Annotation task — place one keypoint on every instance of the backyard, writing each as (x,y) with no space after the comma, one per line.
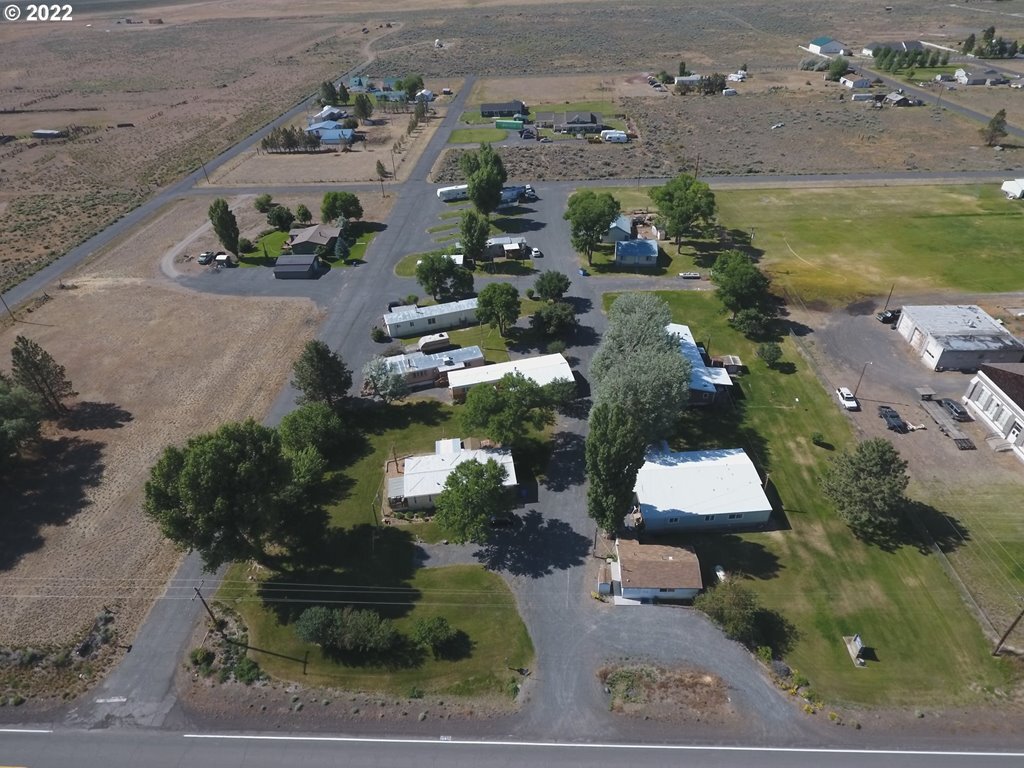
(810,568)
(371,565)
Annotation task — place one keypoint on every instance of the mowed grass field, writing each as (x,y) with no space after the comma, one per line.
(840,245)
(375,568)
(816,574)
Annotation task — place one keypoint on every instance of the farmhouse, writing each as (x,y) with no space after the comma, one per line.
(421,369)
(422,478)
(310,239)
(323,125)
(897,99)
(855,81)
(995,397)
(1013,189)
(541,370)
(654,572)
(964,77)
(636,253)
(413,321)
(698,490)
(504,109)
(621,229)
(691,81)
(297,267)
(705,381)
(900,46)
(571,122)
(957,337)
(337,136)
(825,46)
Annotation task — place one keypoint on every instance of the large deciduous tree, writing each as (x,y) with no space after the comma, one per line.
(382,382)
(302,214)
(474,229)
(21,412)
(313,425)
(683,204)
(741,285)
(340,205)
(320,375)
(734,608)
(33,368)
(505,411)
(471,162)
(589,215)
(280,217)
(224,224)
(554,318)
(473,493)
(484,189)
(233,495)
(614,453)
(551,285)
(867,487)
(995,130)
(442,278)
(499,306)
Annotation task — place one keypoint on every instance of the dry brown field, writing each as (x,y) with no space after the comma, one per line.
(153,365)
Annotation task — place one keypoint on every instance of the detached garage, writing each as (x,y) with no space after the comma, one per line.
(303,266)
(961,338)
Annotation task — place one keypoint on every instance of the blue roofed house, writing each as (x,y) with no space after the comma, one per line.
(322,125)
(636,253)
(337,136)
(621,229)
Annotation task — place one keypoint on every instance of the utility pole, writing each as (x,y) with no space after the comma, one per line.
(1006,634)
(861,377)
(203,166)
(4,302)
(889,297)
(206,606)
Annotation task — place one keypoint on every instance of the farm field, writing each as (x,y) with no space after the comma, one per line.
(60,76)
(835,246)
(133,343)
(813,571)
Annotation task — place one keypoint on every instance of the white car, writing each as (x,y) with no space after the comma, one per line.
(847,400)
(535,253)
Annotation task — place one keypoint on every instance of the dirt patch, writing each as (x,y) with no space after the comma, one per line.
(154,364)
(674,695)
(565,88)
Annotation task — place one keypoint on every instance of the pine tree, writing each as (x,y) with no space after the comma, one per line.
(224,224)
(33,368)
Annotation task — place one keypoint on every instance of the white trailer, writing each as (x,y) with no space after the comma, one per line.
(458,192)
(616,137)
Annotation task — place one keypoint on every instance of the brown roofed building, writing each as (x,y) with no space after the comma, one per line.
(309,239)
(649,572)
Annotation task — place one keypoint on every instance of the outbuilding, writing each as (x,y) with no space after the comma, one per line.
(304,266)
(541,370)
(1013,189)
(47,133)
(422,478)
(415,321)
(855,81)
(698,490)
(637,253)
(957,337)
(655,572)
(621,229)
(503,109)
(825,46)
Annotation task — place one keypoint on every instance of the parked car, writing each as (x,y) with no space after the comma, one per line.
(205,257)
(954,409)
(846,399)
(889,316)
(503,520)
(690,275)
(583,272)
(535,253)
(544,139)
(892,419)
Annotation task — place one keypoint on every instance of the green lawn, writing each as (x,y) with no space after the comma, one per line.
(266,251)
(840,245)
(816,574)
(630,198)
(368,565)
(477,135)
(358,249)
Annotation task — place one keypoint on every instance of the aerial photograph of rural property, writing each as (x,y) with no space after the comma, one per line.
(513,383)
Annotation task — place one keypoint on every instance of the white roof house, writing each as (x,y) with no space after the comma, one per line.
(1013,189)
(542,370)
(696,490)
(705,380)
(412,321)
(423,368)
(423,477)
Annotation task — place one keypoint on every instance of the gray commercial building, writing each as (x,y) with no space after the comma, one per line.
(958,337)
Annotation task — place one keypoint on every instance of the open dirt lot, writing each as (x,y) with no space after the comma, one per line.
(679,695)
(549,90)
(819,134)
(153,364)
(58,76)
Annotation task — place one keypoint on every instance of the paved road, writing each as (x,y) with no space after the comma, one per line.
(132,749)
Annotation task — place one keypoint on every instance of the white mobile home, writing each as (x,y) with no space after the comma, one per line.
(699,490)
(424,369)
(542,370)
(457,192)
(705,381)
(414,321)
(422,478)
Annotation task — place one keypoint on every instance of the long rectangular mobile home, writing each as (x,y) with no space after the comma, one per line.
(457,192)
(414,321)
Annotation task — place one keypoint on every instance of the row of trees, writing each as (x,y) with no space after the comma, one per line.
(36,389)
(290,138)
(892,60)
(250,492)
(640,386)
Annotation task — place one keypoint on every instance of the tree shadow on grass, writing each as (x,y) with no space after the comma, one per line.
(459,647)
(776,631)
(722,425)
(377,418)
(88,415)
(47,490)
(737,555)
(537,547)
(921,527)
